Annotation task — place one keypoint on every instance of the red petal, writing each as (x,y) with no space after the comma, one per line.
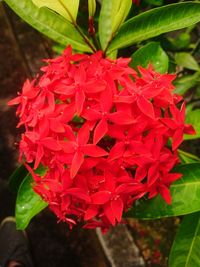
(95,86)
(100,131)
(83,134)
(68,147)
(117,207)
(91,212)
(91,115)
(121,118)
(38,157)
(117,151)
(177,138)
(94,151)
(165,193)
(153,174)
(79,193)
(76,163)
(56,126)
(109,213)
(14,101)
(51,144)
(80,99)
(101,197)
(146,107)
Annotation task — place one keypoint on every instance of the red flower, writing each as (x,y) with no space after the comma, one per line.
(101,132)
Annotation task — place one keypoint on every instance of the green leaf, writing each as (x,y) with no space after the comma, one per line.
(155,22)
(155,2)
(186,82)
(66,8)
(91,8)
(17,177)
(49,23)
(186,157)
(120,10)
(112,15)
(185,197)
(28,203)
(151,53)
(186,60)
(193,117)
(185,249)
(105,23)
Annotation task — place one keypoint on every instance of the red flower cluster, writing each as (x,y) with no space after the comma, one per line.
(102,132)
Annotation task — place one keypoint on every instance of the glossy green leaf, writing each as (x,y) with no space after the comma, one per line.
(193,117)
(186,60)
(155,22)
(184,83)
(185,197)
(17,177)
(112,15)
(49,23)
(151,53)
(185,249)
(66,8)
(28,204)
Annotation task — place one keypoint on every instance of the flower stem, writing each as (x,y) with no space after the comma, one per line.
(85,38)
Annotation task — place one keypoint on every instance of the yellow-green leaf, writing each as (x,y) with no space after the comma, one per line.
(66,8)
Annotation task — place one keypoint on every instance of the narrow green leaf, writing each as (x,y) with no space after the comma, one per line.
(186,60)
(28,204)
(66,8)
(17,177)
(91,8)
(49,23)
(112,15)
(120,11)
(185,197)
(105,23)
(151,53)
(186,157)
(193,117)
(155,22)
(184,83)
(185,249)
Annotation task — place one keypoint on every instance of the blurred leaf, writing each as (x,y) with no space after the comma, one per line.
(112,15)
(151,53)
(186,157)
(193,117)
(66,8)
(185,249)
(17,177)
(91,7)
(28,203)
(186,60)
(155,2)
(180,42)
(186,82)
(155,22)
(49,23)
(185,197)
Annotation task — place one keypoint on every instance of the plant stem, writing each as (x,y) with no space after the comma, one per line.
(85,38)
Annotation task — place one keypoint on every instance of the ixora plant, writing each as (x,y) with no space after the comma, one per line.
(102,133)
